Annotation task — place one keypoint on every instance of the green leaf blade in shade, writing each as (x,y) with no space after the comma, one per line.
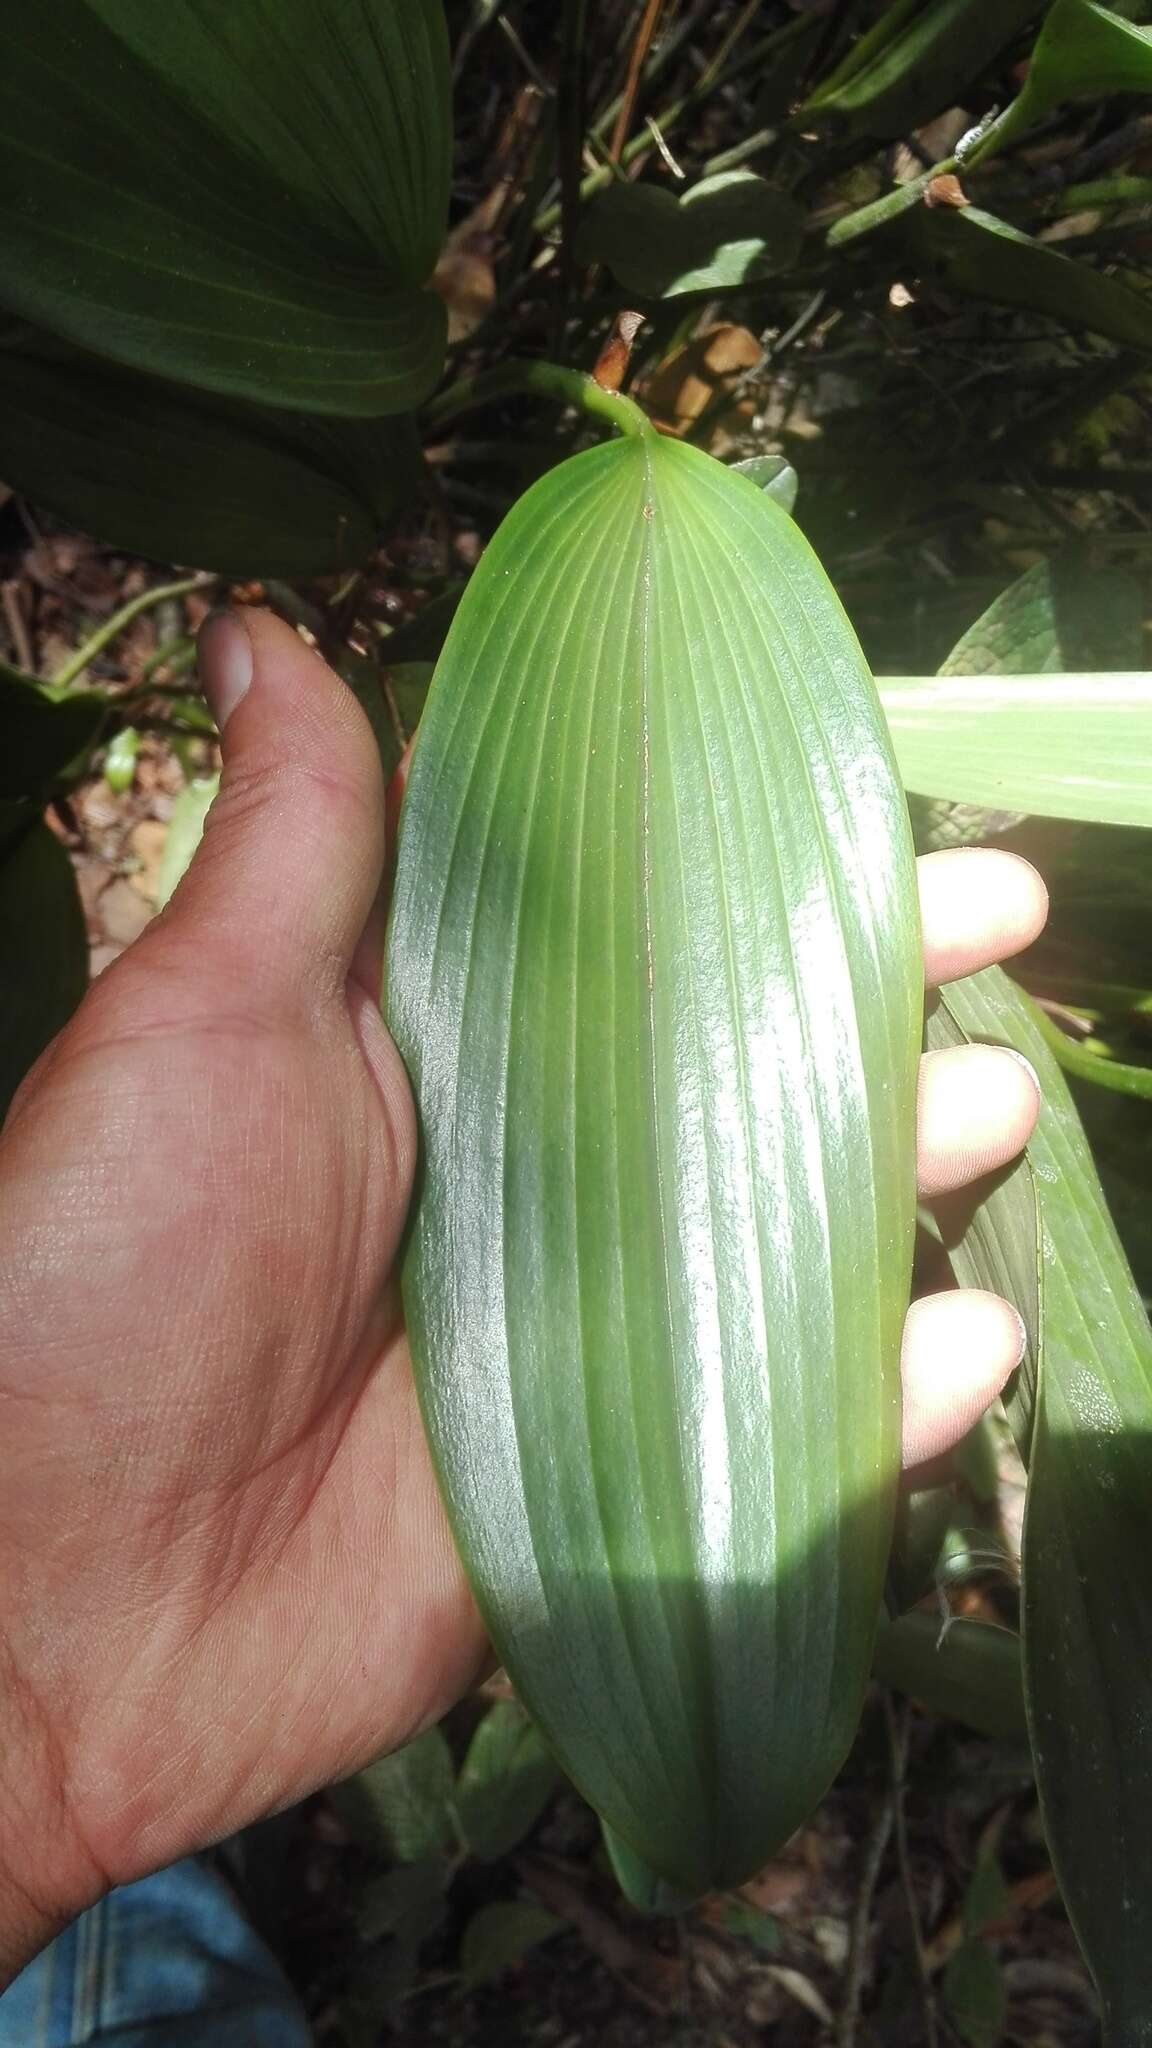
(1063,746)
(653,967)
(39,735)
(131,227)
(43,950)
(911,64)
(402,1805)
(725,233)
(187,476)
(347,105)
(505,1782)
(969,1670)
(1083,52)
(973,252)
(1088,1525)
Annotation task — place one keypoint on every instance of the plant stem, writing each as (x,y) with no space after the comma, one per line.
(98,641)
(547,380)
(1091,1066)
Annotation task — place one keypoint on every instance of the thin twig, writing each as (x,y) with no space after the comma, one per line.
(849,2015)
(636,62)
(898,1726)
(99,640)
(17,625)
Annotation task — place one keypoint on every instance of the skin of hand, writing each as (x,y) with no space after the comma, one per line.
(228,1578)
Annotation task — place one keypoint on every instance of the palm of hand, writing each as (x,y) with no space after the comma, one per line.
(232,1579)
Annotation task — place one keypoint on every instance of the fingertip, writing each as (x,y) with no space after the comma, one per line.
(977,1107)
(959,1351)
(978,905)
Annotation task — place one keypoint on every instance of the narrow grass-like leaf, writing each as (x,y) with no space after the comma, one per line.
(974,252)
(653,967)
(911,63)
(1067,746)
(1087,1530)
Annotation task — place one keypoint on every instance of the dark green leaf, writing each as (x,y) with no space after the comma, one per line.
(1083,52)
(973,252)
(505,1782)
(402,1805)
(1087,1611)
(987,1894)
(912,63)
(1069,612)
(259,228)
(922,1522)
(188,477)
(966,1669)
(40,736)
(185,830)
(501,1935)
(347,105)
(727,231)
(406,1903)
(640,1884)
(43,950)
(974,1995)
(653,969)
(750,1924)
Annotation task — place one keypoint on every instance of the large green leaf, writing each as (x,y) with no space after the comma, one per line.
(43,950)
(1068,746)
(40,735)
(966,1669)
(975,252)
(913,62)
(259,227)
(505,1782)
(1087,1531)
(187,476)
(724,233)
(1083,52)
(653,967)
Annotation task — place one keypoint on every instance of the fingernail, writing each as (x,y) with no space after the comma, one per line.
(224,659)
(1023,1328)
(1026,1064)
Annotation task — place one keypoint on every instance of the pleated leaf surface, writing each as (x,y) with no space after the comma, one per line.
(653,966)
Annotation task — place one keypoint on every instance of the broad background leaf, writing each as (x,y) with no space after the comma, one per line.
(403,1805)
(505,1781)
(661,1401)
(727,231)
(968,1670)
(135,223)
(43,949)
(188,476)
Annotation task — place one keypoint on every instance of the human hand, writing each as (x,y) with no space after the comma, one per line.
(229,1578)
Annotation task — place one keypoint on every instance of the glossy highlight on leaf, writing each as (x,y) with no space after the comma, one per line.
(654,968)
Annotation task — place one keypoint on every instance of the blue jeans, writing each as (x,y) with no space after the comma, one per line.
(170,1962)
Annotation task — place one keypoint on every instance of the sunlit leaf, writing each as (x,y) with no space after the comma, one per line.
(1067,746)
(185,830)
(187,476)
(244,199)
(729,230)
(653,967)
(974,252)
(1087,1608)
(43,950)
(1083,52)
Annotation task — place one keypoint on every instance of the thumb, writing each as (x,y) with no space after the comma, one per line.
(287,871)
